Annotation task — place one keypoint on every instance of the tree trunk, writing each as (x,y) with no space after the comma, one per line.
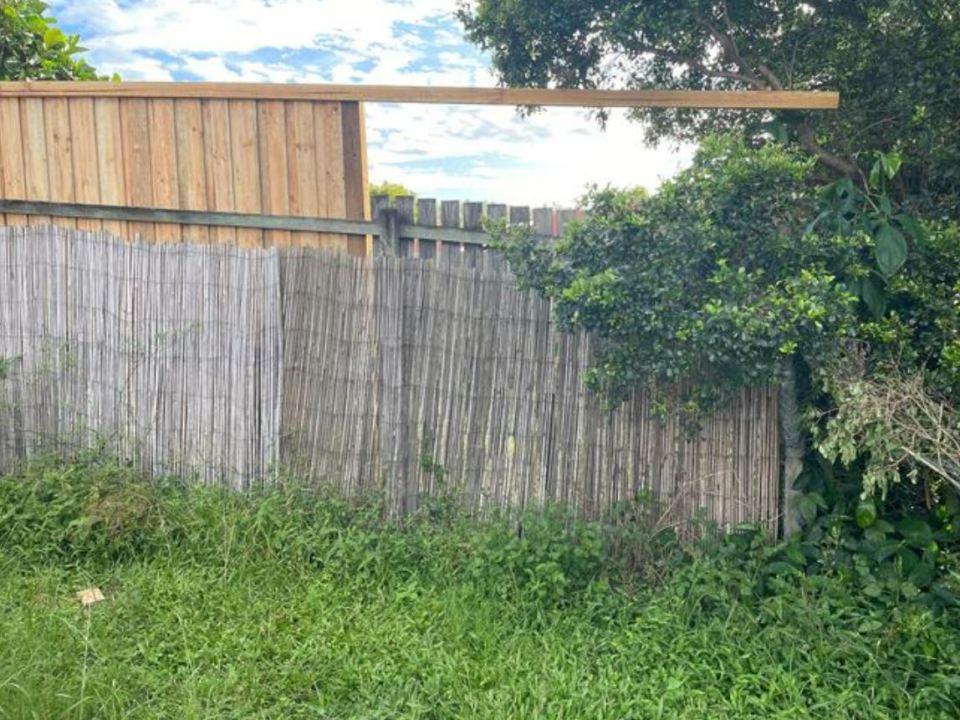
(794,447)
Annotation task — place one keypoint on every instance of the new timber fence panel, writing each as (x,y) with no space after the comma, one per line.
(374,374)
(213,152)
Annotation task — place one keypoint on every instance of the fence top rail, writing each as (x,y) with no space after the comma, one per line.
(733,99)
(295,223)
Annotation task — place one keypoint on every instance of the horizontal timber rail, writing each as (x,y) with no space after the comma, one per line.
(731,99)
(388,226)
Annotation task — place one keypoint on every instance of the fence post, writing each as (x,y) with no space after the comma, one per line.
(388,244)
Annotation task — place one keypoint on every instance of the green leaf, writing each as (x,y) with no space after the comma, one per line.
(923,574)
(891,163)
(884,526)
(808,509)
(795,555)
(886,550)
(908,559)
(873,296)
(779,567)
(53,37)
(890,250)
(866,513)
(910,226)
(916,531)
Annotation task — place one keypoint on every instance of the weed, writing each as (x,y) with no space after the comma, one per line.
(295,603)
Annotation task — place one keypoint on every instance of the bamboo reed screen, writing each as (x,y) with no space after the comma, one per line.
(193,152)
(231,363)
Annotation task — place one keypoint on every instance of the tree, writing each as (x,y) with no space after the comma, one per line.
(894,62)
(33,48)
(708,286)
(391,190)
(886,158)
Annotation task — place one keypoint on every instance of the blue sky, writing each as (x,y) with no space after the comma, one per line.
(452,152)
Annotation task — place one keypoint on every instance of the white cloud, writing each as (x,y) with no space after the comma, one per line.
(481,153)
(242,26)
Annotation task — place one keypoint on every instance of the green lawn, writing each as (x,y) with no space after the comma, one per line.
(290,606)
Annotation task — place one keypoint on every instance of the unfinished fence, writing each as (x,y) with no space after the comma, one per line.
(380,373)
(170,146)
(454,216)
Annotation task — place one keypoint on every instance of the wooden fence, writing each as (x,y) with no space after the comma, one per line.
(169,148)
(363,373)
(454,215)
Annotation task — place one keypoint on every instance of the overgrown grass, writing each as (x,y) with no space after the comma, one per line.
(290,604)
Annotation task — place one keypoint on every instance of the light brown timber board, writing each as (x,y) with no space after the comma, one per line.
(732,99)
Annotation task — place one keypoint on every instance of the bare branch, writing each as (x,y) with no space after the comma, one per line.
(809,142)
(697,65)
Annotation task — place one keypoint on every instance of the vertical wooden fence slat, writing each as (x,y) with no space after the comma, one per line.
(520,215)
(59,154)
(11,155)
(473,221)
(136,161)
(163,163)
(472,216)
(405,214)
(427,215)
(564,218)
(191,165)
(543,221)
(218,165)
(497,211)
(303,166)
(379,203)
(449,218)
(273,166)
(110,159)
(245,161)
(36,171)
(355,173)
(86,175)
(330,155)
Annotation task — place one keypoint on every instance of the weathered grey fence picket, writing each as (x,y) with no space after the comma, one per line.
(238,364)
(469,216)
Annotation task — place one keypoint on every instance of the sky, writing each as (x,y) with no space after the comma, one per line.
(489,154)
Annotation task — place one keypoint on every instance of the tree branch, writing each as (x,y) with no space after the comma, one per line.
(809,143)
(772,79)
(697,65)
(730,51)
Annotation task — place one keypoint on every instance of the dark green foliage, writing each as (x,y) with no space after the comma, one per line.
(709,284)
(32,47)
(290,603)
(896,551)
(894,62)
